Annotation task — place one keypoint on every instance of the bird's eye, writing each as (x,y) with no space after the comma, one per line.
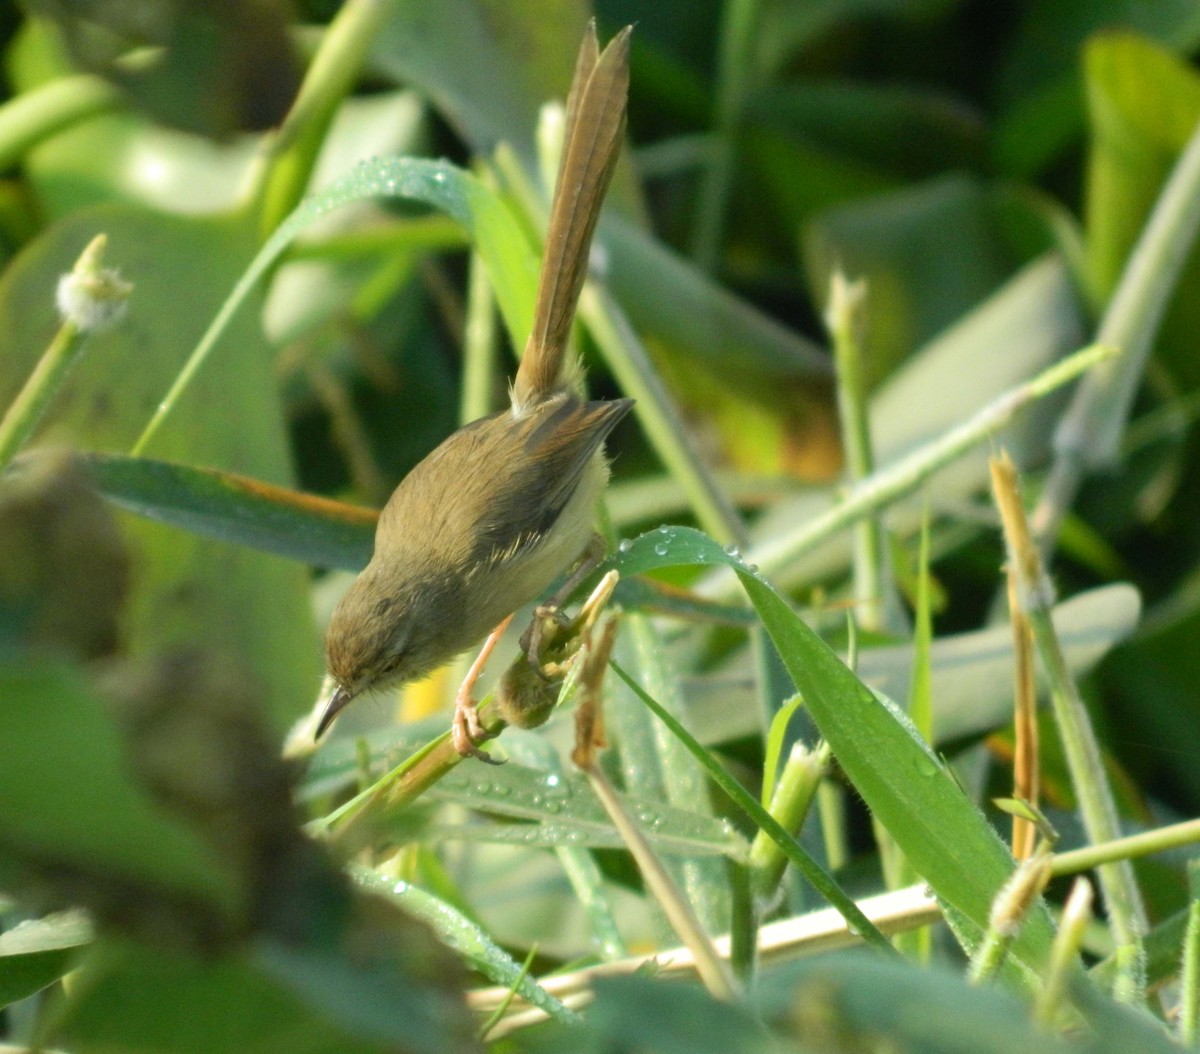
(393,661)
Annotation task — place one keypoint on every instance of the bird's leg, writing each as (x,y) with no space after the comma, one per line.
(466,730)
(531,639)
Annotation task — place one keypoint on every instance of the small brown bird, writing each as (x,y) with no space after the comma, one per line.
(489,519)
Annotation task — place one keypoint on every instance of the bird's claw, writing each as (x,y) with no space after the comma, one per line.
(467,732)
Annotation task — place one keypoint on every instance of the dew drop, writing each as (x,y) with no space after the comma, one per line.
(625,546)
(734,551)
(552,780)
(661,549)
(664,530)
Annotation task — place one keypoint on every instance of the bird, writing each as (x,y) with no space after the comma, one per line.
(498,511)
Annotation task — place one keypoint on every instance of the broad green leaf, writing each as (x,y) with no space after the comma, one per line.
(37,953)
(972,671)
(250,45)
(1037,81)
(187,591)
(237,509)
(929,253)
(1023,327)
(929,132)
(495,233)
(763,385)
(918,1010)
(118,155)
(643,1013)
(269,997)
(554,809)
(907,787)
(521,56)
(68,799)
(1143,105)
(1161,664)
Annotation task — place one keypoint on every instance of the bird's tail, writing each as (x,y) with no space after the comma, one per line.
(595,124)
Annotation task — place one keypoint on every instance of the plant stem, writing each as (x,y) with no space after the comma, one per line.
(1026,752)
(35,115)
(709,965)
(1084,760)
(1064,954)
(595,655)
(1009,911)
(479,352)
(814,933)
(658,416)
(734,63)
(1189,975)
(98,294)
(894,482)
(790,805)
(793,850)
(1128,848)
(1089,433)
(26,410)
(284,170)
(844,317)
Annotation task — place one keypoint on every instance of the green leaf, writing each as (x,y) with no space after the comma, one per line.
(929,254)
(972,672)
(187,591)
(942,834)
(642,1013)
(1143,105)
(1038,78)
(775,740)
(468,938)
(250,43)
(237,509)
(497,238)
(67,798)
(930,133)
(918,1010)
(554,809)
(1035,319)
(37,953)
(269,998)
(521,56)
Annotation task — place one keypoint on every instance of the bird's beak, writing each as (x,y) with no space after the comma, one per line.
(337,703)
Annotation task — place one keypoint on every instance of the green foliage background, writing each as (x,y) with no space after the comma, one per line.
(329,216)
